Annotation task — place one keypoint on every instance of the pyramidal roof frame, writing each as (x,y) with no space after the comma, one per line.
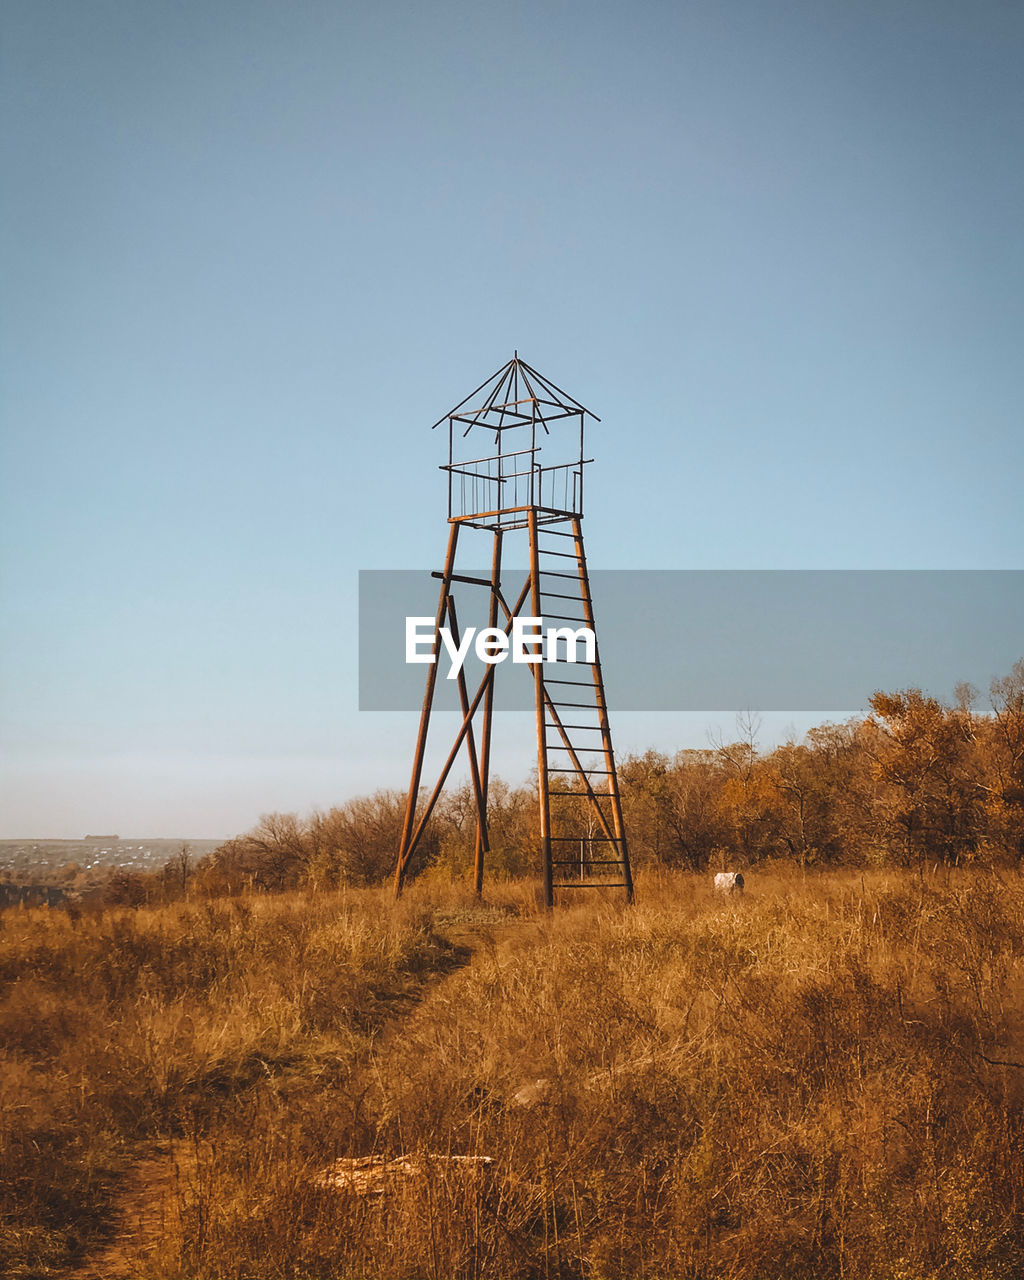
(516,396)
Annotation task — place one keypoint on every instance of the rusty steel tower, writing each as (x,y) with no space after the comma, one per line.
(530,478)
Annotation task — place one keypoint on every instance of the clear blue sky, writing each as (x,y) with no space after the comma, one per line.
(250,251)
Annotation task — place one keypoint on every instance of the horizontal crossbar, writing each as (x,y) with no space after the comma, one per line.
(592,884)
(590,862)
(476,582)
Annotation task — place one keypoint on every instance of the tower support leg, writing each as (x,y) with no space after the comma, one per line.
(485,728)
(479,793)
(404,849)
(543,798)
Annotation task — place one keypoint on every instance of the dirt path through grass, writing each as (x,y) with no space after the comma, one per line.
(146,1210)
(147,1201)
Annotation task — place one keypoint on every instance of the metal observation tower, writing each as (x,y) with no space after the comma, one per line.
(530,478)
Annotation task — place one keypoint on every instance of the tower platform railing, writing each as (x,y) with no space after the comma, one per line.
(498,491)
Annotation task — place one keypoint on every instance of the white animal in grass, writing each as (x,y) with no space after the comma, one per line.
(728,882)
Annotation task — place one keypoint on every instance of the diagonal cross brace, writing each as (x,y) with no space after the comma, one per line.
(409,848)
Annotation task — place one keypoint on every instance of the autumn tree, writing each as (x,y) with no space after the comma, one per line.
(920,757)
(356,843)
(648,808)
(512,828)
(1005,740)
(177,871)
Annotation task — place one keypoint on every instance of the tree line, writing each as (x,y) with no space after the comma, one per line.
(917,781)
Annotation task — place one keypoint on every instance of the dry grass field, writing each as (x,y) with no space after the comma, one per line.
(822,1079)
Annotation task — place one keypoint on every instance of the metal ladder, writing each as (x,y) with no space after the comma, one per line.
(582,832)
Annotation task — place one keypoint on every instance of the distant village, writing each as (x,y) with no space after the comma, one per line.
(61,873)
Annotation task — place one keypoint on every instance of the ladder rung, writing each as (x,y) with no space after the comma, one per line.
(582,753)
(575,684)
(592,839)
(553,573)
(563,725)
(591,862)
(560,595)
(594,706)
(558,768)
(591,884)
(564,617)
(565,555)
(556,533)
(598,795)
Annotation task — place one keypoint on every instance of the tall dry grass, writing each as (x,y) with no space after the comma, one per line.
(123,1029)
(824,1079)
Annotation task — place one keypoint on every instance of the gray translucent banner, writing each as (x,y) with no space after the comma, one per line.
(720,640)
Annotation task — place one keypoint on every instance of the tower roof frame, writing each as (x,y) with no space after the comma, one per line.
(502,401)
